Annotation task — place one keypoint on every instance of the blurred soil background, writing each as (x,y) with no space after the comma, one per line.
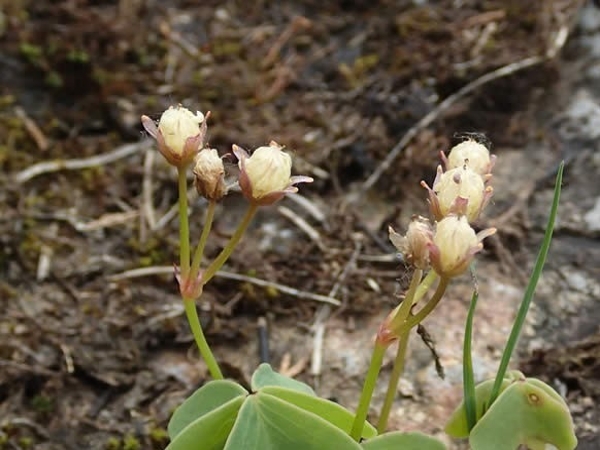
(93,355)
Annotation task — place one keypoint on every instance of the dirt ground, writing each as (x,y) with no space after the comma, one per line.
(95,353)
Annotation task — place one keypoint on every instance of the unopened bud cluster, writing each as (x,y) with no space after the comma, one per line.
(457,198)
(265,177)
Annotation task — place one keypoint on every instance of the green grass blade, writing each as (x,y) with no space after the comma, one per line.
(468,377)
(524,308)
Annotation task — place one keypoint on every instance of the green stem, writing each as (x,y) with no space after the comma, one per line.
(210,214)
(408,302)
(233,241)
(399,323)
(184,265)
(184,229)
(430,306)
(429,279)
(367,392)
(390,395)
(205,351)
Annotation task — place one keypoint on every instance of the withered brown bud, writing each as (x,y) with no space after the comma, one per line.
(415,245)
(209,175)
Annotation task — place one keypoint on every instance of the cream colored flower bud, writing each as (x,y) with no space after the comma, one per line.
(460,191)
(178,124)
(209,174)
(180,134)
(454,245)
(415,245)
(269,169)
(265,176)
(473,154)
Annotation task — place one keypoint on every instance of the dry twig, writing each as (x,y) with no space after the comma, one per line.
(82,163)
(428,119)
(24,421)
(298,24)
(288,369)
(34,131)
(302,224)
(325,311)
(27,368)
(66,351)
(106,221)
(310,207)
(148,214)
(167,270)
(174,209)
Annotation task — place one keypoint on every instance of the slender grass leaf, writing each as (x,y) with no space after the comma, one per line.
(529,292)
(468,376)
